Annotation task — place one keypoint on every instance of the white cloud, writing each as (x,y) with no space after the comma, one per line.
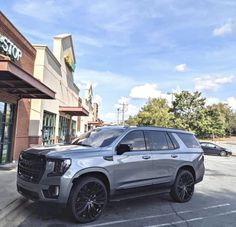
(132,110)
(146,91)
(212,100)
(122,100)
(232,102)
(181,68)
(48,10)
(211,83)
(228,28)
(98,99)
(113,80)
(129,109)
(88,41)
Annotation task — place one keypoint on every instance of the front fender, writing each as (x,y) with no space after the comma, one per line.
(95,170)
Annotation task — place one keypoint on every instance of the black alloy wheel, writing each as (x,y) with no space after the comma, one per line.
(183,188)
(88,199)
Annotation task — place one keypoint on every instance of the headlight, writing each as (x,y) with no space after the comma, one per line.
(60,166)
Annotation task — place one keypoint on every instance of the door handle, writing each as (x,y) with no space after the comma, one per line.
(146,157)
(174,156)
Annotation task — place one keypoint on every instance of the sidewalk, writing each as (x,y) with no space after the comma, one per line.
(10,199)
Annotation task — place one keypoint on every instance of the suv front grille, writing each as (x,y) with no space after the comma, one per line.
(31,167)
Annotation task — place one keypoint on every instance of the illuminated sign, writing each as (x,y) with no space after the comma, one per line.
(9,48)
(70,62)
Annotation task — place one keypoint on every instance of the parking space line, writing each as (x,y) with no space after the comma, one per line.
(206,208)
(193,219)
(159,215)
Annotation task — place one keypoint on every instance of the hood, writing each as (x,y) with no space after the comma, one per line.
(61,151)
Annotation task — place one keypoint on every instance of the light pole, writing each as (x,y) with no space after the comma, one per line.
(123,109)
(118,116)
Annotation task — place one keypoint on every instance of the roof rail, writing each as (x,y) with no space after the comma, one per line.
(150,126)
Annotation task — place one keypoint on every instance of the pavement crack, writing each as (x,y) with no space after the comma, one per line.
(178,215)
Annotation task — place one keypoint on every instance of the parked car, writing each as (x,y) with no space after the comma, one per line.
(109,161)
(214,149)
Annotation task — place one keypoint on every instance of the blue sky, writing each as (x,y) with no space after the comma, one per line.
(131,50)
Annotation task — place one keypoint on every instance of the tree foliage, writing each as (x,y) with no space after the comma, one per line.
(155,112)
(188,108)
(188,111)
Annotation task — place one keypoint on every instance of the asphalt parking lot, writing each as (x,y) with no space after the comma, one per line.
(213,204)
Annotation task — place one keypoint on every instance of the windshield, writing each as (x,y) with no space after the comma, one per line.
(99,137)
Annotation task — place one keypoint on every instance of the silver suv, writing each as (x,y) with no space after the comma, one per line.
(108,161)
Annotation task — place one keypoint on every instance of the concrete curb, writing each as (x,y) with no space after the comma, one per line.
(12,206)
(8,166)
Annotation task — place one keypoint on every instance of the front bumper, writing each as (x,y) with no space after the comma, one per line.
(40,192)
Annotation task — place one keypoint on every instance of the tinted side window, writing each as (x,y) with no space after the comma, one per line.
(136,141)
(189,140)
(170,144)
(173,140)
(211,145)
(157,140)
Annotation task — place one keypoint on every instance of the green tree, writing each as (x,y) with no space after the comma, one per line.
(189,111)
(233,124)
(215,122)
(227,114)
(155,112)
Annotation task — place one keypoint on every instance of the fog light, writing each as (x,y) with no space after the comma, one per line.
(52,192)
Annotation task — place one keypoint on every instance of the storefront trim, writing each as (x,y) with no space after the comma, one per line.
(16,81)
(74,110)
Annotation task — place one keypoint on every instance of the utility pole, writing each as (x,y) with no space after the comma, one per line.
(118,116)
(123,109)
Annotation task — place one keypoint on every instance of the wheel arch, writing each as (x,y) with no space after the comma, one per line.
(99,173)
(189,168)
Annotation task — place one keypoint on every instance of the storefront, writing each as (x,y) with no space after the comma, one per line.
(6,128)
(56,121)
(17,88)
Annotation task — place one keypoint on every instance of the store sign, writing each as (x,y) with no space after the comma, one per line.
(9,48)
(70,62)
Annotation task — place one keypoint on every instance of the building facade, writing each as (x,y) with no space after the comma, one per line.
(17,88)
(56,121)
(92,121)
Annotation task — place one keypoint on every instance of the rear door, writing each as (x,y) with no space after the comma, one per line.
(211,149)
(165,155)
(133,168)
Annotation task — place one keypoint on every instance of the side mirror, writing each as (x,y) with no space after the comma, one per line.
(122,148)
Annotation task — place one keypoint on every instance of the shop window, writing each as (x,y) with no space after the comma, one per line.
(63,129)
(6,129)
(73,129)
(48,130)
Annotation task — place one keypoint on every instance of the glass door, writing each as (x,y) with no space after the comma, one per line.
(63,129)
(6,129)
(48,130)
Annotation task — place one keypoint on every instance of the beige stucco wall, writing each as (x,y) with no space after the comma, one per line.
(88,104)
(50,68)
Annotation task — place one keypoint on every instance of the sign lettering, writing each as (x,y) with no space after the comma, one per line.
(9,48)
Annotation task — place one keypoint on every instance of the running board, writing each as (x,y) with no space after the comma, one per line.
(132,195)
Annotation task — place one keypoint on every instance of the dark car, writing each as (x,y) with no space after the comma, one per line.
(214,149)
